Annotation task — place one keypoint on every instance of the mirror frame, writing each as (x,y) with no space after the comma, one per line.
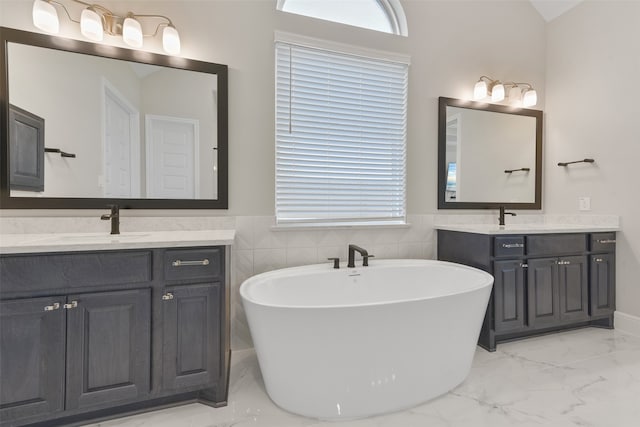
(70,45)
(443,103)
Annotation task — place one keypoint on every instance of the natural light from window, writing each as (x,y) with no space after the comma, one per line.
(380,15)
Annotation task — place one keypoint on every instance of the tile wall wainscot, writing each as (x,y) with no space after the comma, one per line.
(528,218)
(258,247)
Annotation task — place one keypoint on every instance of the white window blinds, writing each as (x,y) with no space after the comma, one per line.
(340,137)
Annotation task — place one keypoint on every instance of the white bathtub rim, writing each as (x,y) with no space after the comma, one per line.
(327,268)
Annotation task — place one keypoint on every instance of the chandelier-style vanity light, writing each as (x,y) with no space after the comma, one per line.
(487,86)
(96,20)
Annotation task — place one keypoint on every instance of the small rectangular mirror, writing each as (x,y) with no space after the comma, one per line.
(488,156)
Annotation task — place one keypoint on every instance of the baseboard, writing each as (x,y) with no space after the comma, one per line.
(627,323)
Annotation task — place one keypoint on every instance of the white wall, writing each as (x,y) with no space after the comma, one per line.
(491,143)
(451,44)
(593,111)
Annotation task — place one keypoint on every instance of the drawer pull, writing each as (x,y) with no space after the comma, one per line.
(72,304)
(54,306)
(513,245)
(564,262)
(168,296)
(606,241)
(180,263)
(523,265)
(598,259)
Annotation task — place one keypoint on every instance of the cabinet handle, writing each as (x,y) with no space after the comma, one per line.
(598,260)
(54,306)
(180,263)
(72,304)
(168,296)
(513,245)
(523,265)
(564,262)
(606,241)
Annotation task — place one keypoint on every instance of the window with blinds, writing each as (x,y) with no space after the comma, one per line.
(341,124)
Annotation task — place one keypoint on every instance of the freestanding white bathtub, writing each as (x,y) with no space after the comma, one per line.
(355,342)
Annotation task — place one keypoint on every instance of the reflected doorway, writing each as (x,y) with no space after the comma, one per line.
(121,176)
(172,145)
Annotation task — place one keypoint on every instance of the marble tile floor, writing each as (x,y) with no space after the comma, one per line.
(587,377)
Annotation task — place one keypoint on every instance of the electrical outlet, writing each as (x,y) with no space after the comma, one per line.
(584,203)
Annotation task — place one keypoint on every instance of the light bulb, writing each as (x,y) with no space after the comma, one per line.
(530,98)
(480,90)
(45,16)
(497,92)
(171,40)
(132,32)
(91,25)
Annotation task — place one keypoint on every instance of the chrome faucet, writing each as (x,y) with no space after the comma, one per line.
(114,216)
(352,256)
(502,214)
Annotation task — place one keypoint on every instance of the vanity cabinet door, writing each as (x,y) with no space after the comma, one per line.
(108,347)
(602,281)
(509,298)
(191,335)
(32,340)
(574,288)
(542,283)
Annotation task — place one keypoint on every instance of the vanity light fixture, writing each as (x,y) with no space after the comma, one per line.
(486,86)
(96,20)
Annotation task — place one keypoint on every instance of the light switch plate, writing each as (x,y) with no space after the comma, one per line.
(584,203)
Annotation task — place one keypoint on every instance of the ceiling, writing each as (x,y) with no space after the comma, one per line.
(551,9)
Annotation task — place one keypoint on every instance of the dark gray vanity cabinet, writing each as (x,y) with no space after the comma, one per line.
(542,282)
(32,362)
(90,335)
(558,290)
(108,347)
(191,340)
(509,278)
(602,267)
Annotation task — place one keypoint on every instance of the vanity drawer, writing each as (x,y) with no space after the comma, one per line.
(603,242)
(512,246)
(555,244)
(20,273)
(190,264)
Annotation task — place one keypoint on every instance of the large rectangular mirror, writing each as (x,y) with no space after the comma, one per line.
(488,156)
(86,125)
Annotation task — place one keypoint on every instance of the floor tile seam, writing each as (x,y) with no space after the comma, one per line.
(581,360)
(503,408)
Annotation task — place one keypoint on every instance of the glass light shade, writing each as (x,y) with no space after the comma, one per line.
(171,40)
(530,98)
(515,95)
(45,16)
(132,32)
(91,25)
(497,92)
(480,90)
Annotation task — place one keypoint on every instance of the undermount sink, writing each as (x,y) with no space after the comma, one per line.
(94,237)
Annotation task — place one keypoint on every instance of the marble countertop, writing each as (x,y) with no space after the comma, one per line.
(535,228)
(71,242)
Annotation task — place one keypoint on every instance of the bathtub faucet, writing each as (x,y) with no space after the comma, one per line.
(352,256)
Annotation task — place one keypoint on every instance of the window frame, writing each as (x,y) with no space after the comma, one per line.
(392,8)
